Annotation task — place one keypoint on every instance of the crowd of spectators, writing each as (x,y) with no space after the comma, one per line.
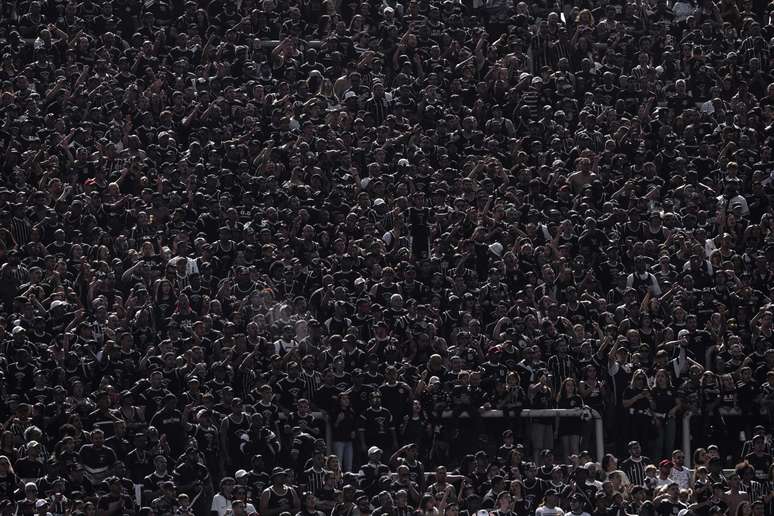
(316,257)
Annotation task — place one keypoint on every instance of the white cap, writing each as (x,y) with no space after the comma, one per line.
(683,333)
(378,202)
(374,450)
(41,503)
(349,95)
(403,162)
(240,473)
(497,249)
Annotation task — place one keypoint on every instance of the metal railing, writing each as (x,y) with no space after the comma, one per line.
(525,414)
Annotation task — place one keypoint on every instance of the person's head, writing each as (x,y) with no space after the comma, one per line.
(504,501)
(639,380)
(97,438)
(678,458)
(744,509)
(550,498)
(568,388)
(309,501)
(576,503)
(635,450)
(227,485)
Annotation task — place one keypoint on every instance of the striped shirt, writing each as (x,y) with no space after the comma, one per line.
(754,489)
(639,71)
(142,232)
(561,368)
(561,50)
(531,98)
(21,231)
(315,479)
(754,47)
(635,469)
(15,275)
(181,282)
(311,383)
(379,108)
(541,52)
(18,428)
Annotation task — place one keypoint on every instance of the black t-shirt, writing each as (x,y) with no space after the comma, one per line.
(394,398)
(639,405)
(419,224)
(761,464)
(139,465)
(668,508)
(169,422)
(104,502)
(97,457)
(533,492)
(377,423)
(664,399)
(8,485)
(207,439)
(152,481)
(542,399)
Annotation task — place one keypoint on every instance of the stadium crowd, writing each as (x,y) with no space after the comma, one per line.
(315,257)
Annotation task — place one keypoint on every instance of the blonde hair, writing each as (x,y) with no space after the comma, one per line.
(618,473)
(578,19)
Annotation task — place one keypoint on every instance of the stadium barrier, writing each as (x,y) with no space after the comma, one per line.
(583,413)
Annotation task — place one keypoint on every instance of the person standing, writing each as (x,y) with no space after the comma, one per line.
(419,227)
(634,465)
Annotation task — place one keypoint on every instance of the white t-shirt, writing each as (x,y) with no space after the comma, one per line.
(220,504)
(546,511)
(681,476)
(682,10)
(595,483)
(663,481)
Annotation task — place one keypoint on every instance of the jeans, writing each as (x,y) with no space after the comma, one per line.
(343,450)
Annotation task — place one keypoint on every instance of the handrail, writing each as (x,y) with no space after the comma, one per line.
(526,413)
